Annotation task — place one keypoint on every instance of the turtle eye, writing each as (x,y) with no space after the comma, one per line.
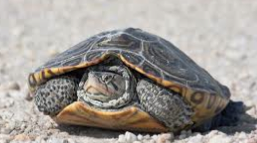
(107,78)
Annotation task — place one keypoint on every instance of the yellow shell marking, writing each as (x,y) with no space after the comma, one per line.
(131,118)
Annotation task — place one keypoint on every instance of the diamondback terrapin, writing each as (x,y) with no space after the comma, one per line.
(130,80)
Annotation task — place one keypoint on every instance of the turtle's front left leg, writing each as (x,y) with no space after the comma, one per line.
(56,94)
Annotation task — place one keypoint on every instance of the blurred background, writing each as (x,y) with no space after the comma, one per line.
(219,35)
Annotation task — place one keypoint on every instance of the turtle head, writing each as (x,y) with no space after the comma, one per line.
(107,86)
(104,86)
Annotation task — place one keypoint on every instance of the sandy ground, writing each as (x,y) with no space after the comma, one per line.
(219,35)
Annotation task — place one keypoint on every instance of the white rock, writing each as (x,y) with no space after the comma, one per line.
(150,141)
(40,139)
(55,140)
(130,137)
(139,137)
(10,86)
(196,139)
(212,133)
(154,137)
(220,139)
(242,135)
(137,142)
(147,137)
(121,139)
(252,111)
(166,137)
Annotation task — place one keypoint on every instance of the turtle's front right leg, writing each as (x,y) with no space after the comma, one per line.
(166,106)
(56,94)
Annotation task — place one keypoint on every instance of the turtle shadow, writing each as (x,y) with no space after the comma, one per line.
(90,131)
(97,132)
(246,124)
(231,120)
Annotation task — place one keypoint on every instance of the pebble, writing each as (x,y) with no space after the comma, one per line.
(196,139)
(121,139)
(56,140)
(220,139)
(28,96)
(139,137)
(147,137)
(130,137)
(252,140)
(40,139)
(242,135)
(53,52)
(9,127)
(154,137)
(212,133)
(9,102)
(5,138)
(10,86)
(22,138)
(165,137)
(252,111)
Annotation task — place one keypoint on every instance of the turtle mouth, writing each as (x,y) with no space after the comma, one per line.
(107,87)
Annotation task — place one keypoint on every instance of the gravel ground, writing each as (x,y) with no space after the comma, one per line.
(219,35)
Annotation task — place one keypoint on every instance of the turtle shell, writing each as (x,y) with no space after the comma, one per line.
(148,54)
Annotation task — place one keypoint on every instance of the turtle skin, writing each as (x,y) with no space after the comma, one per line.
(149,55)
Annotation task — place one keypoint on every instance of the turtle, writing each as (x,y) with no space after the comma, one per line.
(127,79)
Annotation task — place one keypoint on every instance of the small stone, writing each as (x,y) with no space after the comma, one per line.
(70,141)
(139,137)
(65,141)
(9,102)
(63,134)
(220,139)
(121,139)
(5,138)
(212,133)
(252,111)
(41,139)
(154,137)
(10,86)
(22,137)
(147,137)
(163,138)
(9,128)
(251,140)
(149,141)
(196,139)
(242,135)
(56,140)
(28,96)
(130,137)
(52,52)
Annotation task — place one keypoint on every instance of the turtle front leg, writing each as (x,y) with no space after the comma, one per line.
(56,94)
(166,106)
